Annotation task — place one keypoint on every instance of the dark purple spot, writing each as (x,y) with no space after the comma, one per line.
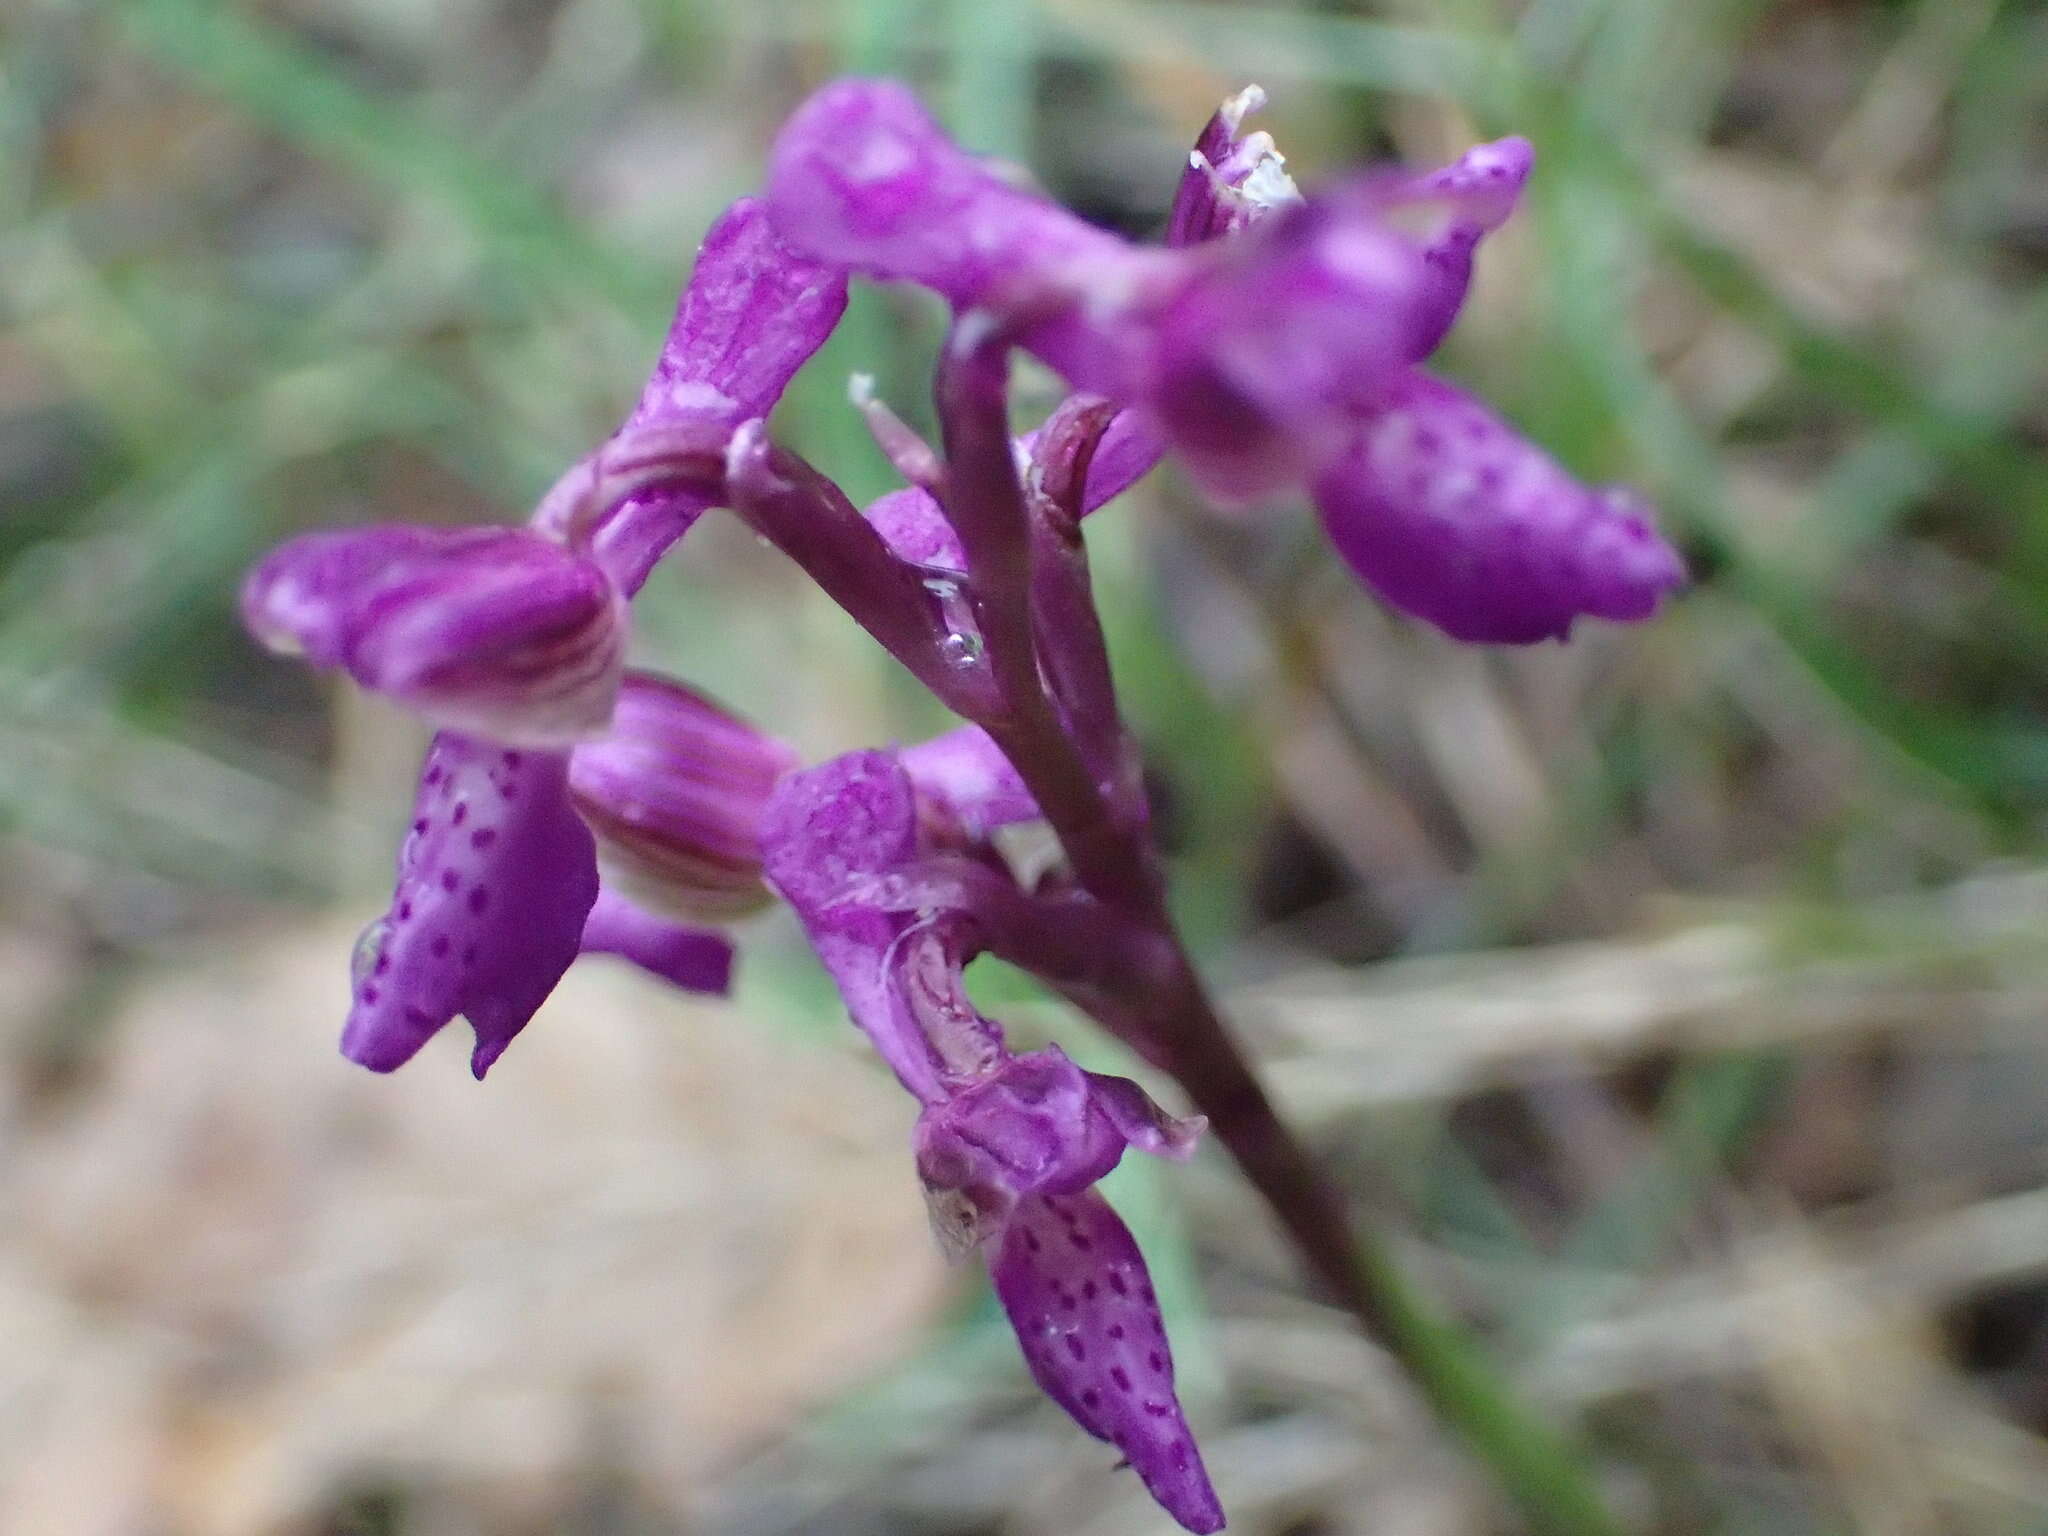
(461,812)
(383,964)
(483,837)
(439,946)
(1076,1348)
(418,1017)
(370,996)
(405,910)
(478,900)
(449,881)
(1145,1294)
(433,776)
(1157,1409)
(420,825)
(1091,1398)
(1116,1330)
(1079,1241)
(1031,1240)
(1090,1290)
(513,759)
(469,954)
(1069,1300)
(1121,1377)
(1116,1283)
(1157,1362)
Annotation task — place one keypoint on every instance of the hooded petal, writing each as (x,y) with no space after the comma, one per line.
(689,958)
(1075,1286)
(1449,514)
(495,883)
(1035,1124)
(675,791)
(498,631)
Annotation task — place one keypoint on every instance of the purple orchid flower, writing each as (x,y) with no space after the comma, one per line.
(1268,352)
(512,641)
(1008,1146)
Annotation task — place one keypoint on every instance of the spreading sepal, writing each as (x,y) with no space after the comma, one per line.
(498,632)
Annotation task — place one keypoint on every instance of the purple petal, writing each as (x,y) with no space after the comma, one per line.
(912,525)
(861,176)
(965,774)
(1266,357)
(752,314)
(675,791)
(825,830)
(495,882)
(1033,1124)
(1141,1123)
(1078,1294)
(693,959)
(496,631)
(1449,514)
(1480,190)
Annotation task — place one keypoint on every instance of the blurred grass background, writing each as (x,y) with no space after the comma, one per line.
(1674,997)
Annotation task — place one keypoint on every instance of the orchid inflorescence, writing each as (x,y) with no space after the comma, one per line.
(569,803)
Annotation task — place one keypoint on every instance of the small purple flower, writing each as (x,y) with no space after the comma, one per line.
(1243,349)
(513,640)
(1450,515)
(495,631)
(674,792)
(1008,1146)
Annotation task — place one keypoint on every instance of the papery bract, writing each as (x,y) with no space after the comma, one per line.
(1450,515)
(494,631)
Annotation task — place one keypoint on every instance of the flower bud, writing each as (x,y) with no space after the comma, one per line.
(674,793)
